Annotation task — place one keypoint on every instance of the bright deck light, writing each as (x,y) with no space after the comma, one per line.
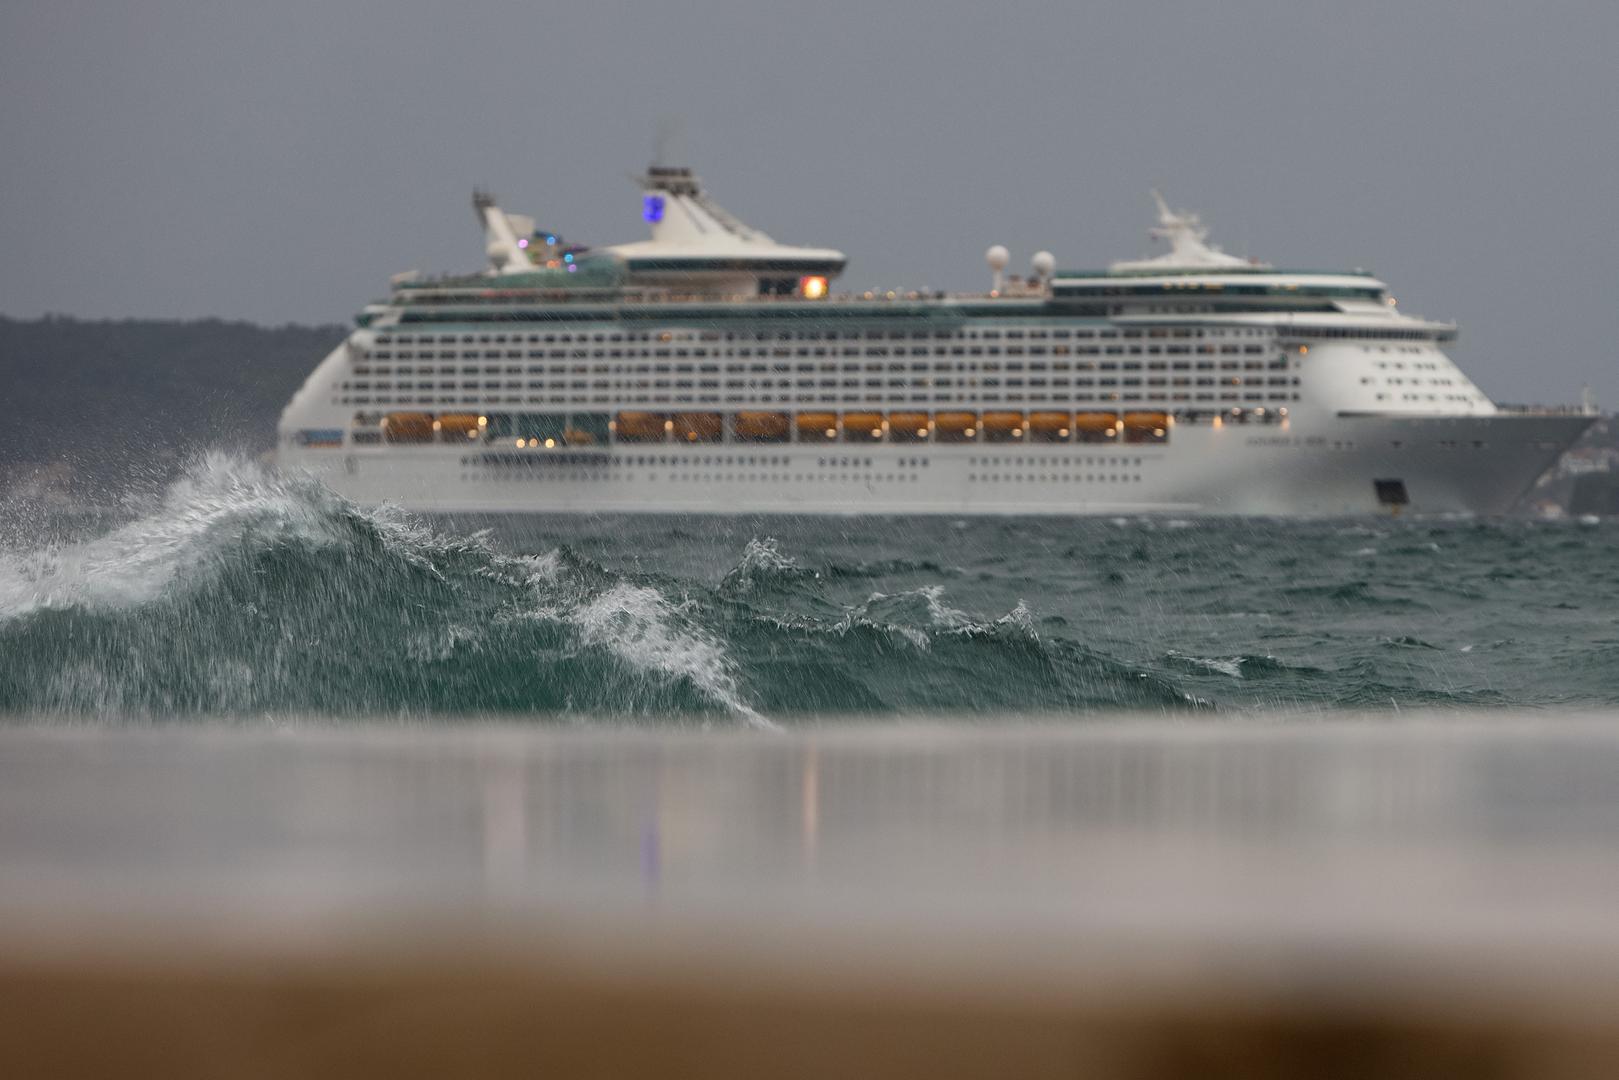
(813,288)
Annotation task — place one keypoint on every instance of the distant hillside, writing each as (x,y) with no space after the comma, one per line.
(91,405)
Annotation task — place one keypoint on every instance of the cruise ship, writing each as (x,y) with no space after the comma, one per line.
(711,369)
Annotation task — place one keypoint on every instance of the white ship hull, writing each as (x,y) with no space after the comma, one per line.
(1449,465)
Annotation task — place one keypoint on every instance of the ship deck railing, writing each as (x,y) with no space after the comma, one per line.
(454,295)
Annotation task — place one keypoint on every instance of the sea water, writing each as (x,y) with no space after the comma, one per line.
(242,592)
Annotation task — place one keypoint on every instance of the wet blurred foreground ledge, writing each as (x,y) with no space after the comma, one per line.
(1388,896)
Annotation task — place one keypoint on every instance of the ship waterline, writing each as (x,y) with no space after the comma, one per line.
(711,370)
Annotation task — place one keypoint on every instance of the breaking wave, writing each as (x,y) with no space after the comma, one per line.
(246,592)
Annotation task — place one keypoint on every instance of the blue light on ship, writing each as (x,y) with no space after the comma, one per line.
(652,209)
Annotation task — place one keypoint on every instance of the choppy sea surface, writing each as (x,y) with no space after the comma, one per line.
(242,592)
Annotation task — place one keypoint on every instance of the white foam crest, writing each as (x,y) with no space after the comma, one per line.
(545,568)
(1019,618)
(762,558)
(942,613)
(765,554)
(412,541)
(884,611)
(638,625)
(134,563)
(1231,665)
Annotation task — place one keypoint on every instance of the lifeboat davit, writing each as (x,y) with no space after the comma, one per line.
(408,427)
(1003,426)
(1146,427)
(862,427)
(817,426)
(1050,426)
(955,426)
(641,427)
(761,426)
(460,427)
(908,427)
(696,427)
(1096,427)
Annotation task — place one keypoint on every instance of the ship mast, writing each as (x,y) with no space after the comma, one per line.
(1188,246)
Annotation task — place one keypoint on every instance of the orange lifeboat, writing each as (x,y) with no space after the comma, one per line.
(761,426)
(908,427)
(955,426)
(641,427)
(408,427)
(460,427)
(1096,427)
(862,427)
(1146,427)
(1003,426)
(1050,426)
(817,426)
(694,427)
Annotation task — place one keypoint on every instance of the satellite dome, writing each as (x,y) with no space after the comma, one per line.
(1044,263)
(997,257)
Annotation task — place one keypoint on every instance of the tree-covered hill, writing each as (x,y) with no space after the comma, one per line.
(91,405)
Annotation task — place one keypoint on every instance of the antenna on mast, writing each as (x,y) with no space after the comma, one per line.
(1163,207)
(1186,234)
(997,257)
(666,136)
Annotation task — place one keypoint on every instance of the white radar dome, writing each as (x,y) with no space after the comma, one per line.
(1044,263)
(997,257)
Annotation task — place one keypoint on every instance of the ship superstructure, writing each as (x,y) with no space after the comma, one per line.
(711,368)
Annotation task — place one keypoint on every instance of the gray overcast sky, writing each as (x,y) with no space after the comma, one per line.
(276,161)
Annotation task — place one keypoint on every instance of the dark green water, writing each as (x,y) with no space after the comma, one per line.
(244,593)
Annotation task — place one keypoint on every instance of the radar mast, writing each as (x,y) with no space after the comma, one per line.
(1188,247)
